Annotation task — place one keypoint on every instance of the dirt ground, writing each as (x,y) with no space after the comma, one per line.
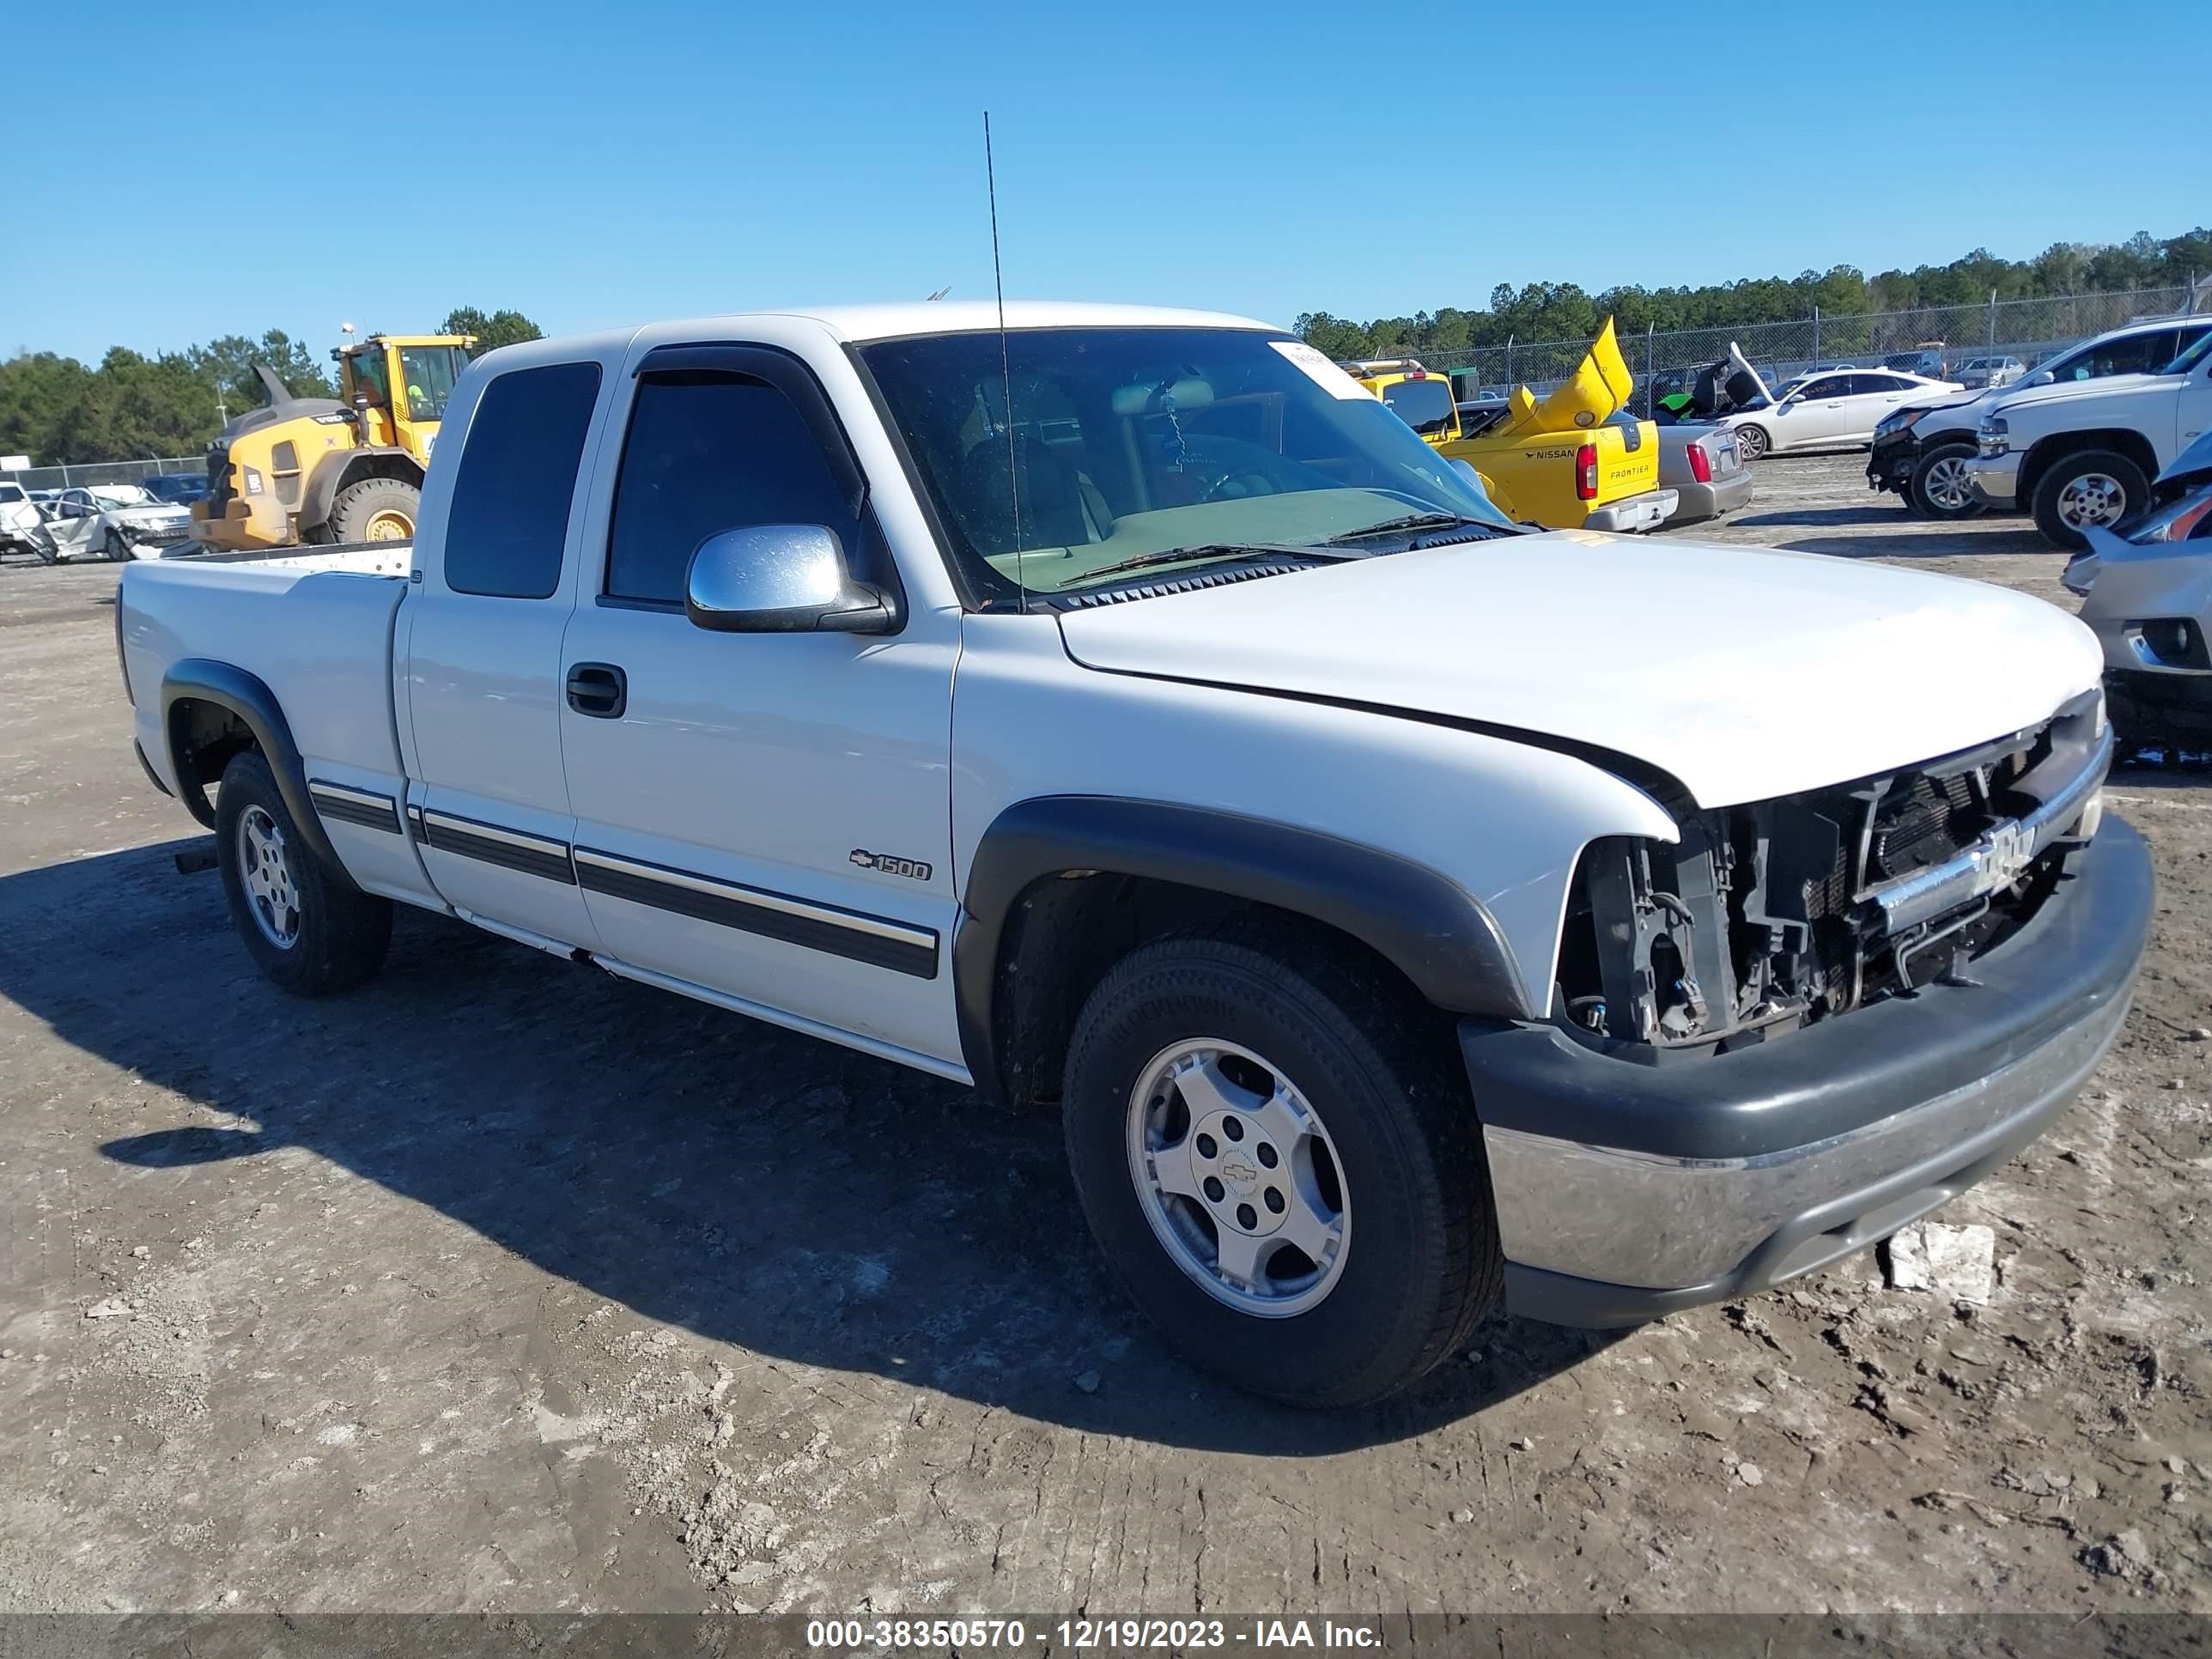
(506,1286)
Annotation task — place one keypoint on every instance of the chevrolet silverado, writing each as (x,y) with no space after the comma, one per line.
(1122,710)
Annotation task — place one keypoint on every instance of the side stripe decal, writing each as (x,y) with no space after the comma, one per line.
(342,803)
(853,934)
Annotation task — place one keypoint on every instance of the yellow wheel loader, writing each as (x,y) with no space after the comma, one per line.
(345,469)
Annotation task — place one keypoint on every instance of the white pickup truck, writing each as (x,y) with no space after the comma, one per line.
(2081,455)
(1404,911)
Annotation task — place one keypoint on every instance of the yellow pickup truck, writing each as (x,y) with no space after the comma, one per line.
(1573,460)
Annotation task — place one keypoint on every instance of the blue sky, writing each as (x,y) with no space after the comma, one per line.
(607,164)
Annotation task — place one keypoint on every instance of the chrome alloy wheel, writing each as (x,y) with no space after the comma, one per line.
(1949,485)
(265,871)
(1238,1178)
(2093,499)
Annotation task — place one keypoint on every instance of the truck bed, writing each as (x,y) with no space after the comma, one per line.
(315,624)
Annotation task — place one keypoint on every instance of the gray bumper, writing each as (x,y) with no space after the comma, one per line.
(1995,477)
(1645,512)
(1696,501)
(1625,1191)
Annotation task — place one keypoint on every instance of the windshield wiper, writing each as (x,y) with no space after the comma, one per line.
(1411,522)
(1212,550)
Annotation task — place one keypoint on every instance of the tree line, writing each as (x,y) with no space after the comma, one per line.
(133,407)
(1563,311)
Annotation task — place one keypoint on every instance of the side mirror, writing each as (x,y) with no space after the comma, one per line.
(781,578)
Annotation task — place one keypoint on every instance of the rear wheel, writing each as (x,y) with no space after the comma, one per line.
(1941,487)
(2096,489)
(375,510)
(1281,1166)
(307,927)
(1751,440)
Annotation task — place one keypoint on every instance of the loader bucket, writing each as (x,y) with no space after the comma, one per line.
(1599,388)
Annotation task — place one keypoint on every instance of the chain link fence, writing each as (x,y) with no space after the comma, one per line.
(101,472)
(2029,330)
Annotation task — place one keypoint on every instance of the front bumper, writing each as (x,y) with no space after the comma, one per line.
(1890,461)
(1645,512)
(1625,1191)
(1995,477)
(1696,501)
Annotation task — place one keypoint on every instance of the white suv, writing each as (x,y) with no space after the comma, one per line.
(2082,455)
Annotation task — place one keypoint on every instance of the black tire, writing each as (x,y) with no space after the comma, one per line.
(115,548)
(1932,491)
(2129,487)
(359,506)
(341,932)
(1421,1261)
(1751,440)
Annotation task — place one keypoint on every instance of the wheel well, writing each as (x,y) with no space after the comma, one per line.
(203,737)
(1066,930)
(1945,439)
(2044,456)
(380,464)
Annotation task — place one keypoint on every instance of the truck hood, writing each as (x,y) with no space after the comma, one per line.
(1743,673)
(2010,397)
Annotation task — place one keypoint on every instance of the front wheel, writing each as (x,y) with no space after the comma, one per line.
(1281,1166)
(115,547)
(307,927)
(375,510)
(1751,441)
(2097,489)
(1942,488)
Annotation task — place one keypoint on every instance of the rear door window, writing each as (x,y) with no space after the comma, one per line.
(508,523)
(1425,405)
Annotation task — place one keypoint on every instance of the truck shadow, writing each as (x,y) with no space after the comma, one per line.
(755,1187)
(1840,531)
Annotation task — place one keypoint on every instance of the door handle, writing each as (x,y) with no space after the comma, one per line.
(599,689)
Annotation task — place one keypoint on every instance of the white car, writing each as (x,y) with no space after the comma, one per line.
(1833,410)
(1987,373)
(116,521)
(1405,912)
(22,526)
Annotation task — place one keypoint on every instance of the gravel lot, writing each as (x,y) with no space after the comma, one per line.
(504,1285)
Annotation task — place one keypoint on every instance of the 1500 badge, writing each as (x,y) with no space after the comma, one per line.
(890,865)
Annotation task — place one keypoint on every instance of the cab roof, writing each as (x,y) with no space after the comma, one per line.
(862,323)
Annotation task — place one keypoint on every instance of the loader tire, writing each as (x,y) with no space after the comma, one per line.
(375,510)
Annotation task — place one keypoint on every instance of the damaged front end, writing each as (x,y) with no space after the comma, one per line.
(1768,918)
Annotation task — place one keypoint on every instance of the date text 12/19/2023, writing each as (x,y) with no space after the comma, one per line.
(838,1636)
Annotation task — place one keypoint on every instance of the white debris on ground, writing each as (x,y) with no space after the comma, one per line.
(1958,1263)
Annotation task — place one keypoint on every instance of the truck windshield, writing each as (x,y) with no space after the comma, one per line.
(1127,444)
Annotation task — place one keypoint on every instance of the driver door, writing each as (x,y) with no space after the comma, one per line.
(764,815)
(1822,414)
(76,522)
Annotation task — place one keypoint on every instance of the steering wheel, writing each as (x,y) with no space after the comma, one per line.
(1212,489)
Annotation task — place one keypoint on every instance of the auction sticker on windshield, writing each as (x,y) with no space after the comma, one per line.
(1322,372)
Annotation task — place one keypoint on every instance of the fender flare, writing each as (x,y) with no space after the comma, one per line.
(329,476)
(1436,932)
(198,679)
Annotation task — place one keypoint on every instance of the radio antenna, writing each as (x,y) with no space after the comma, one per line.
(1005,366)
